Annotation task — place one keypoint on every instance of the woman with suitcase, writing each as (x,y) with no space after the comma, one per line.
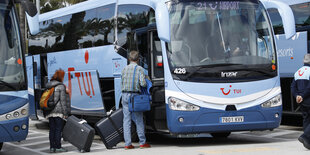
(59,112)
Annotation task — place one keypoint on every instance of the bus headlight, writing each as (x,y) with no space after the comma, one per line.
(16,114)
(177,104)
(274,102)
(21,112)
(8,116)
(24,112)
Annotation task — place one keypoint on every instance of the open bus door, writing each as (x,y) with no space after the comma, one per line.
(157,68)
(31,73)
(158,113)
(146,41)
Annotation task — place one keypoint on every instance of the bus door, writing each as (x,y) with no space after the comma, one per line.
(157,69)
(31,73)
(158,113)
(146,41)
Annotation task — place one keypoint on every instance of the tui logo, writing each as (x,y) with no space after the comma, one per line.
(234,91)
(224,91)
(300,74)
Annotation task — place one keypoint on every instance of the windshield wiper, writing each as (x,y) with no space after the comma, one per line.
(7,85)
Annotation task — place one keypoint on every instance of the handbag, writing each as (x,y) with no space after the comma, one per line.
(138,102)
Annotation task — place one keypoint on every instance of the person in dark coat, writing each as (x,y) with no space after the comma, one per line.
(60,111)
(301,91)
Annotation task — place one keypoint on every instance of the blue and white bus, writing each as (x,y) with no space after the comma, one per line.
(14,105)
(292,51)
(213,64)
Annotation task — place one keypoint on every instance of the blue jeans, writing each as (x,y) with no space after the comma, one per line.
(56,125)
(137,117)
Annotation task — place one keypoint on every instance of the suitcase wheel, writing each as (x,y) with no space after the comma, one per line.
(83,151)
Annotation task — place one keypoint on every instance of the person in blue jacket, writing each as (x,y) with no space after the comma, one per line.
(300,88)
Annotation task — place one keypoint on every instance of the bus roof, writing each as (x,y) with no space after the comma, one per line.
(90,4)
(293,2)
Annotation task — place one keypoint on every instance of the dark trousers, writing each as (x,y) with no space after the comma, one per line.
(306,120)
(56,126)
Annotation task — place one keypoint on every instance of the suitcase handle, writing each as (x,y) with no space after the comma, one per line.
(82,121)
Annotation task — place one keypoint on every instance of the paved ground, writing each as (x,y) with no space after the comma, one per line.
(280,141)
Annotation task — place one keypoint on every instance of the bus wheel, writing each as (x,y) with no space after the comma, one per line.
(220,134)
(1,144)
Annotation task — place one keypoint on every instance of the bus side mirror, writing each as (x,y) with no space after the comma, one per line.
(32,16)
(162,21)
(286,14)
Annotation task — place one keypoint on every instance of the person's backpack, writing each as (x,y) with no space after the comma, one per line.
(47,99)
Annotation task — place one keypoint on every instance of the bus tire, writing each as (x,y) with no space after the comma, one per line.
(1,144)
(220,134)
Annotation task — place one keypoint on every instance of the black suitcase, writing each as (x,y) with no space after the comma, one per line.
(78,133)
(110,129)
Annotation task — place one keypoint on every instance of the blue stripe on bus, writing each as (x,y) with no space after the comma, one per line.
(10,103)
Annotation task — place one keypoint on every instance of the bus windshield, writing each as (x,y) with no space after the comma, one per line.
(212,39)
(12,76)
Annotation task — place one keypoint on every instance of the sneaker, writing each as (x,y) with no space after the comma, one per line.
(145,146)
(306,143)
(61,150)
(129,147)
(52,150)
(301,138)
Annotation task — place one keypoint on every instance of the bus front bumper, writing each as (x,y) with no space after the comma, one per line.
(209,120)
(14,130)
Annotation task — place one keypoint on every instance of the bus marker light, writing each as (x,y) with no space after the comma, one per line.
(276,115)
(292,58)
(273,67)
(86,57)
(159,64)
(181,119)
(16,128)
(159,60)
(19,61)
(24,126)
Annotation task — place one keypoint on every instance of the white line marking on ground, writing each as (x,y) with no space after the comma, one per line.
(25,148)
(35,143)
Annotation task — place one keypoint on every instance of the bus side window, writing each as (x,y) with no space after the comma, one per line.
(302,19)
(104,30)
(276,21)
(9,29)
(142,46)
(132,30)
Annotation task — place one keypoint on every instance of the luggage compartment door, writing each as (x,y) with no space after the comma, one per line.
(85,93)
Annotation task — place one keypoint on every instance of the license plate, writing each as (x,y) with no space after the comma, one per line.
(232,119)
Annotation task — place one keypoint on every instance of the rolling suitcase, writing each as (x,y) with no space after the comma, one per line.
(110,129)
(78,133)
